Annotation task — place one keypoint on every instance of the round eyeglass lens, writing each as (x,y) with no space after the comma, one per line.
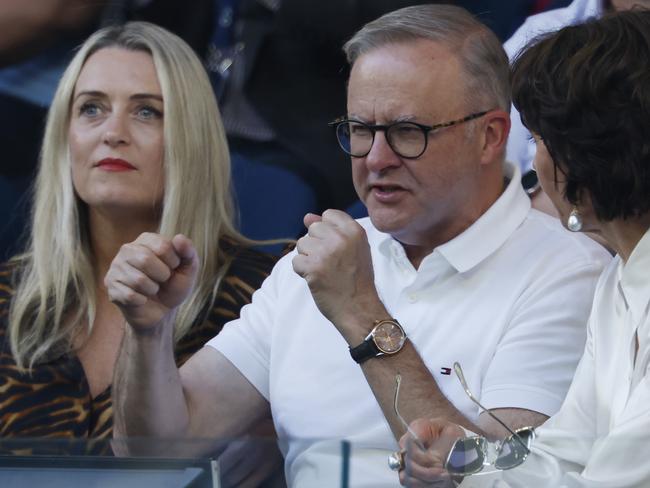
(360,138)
(407,139)
(343,136)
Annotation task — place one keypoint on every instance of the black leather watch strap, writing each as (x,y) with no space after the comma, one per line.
(364,351)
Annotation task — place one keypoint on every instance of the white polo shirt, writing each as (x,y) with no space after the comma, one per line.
(508,299)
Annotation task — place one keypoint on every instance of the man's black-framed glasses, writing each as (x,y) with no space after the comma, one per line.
(408,140)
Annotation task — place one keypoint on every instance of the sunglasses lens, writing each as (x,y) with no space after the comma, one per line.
(513,452)
(466,456)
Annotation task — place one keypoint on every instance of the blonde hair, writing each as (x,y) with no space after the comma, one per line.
(55,293)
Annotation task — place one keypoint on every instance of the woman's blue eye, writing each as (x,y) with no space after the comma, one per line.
(149,113)
(89,109)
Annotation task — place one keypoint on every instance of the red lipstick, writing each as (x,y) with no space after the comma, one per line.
(115,164)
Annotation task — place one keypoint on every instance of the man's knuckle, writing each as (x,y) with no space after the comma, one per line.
(130,296)
(125,248)
(145,258)
(165,274)
(141,281)
(355,229)
(108,277)
(161,247)
(147,236)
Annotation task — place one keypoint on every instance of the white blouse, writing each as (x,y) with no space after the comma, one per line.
(601,435)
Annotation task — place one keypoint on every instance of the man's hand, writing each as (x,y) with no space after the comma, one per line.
(150,277)
(425,467)
(334,259)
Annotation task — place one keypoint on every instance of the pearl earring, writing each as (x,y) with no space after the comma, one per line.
(574,222)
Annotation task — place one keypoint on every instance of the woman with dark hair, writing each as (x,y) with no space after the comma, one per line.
(584,93)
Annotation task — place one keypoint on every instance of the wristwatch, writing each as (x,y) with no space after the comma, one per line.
(386,337)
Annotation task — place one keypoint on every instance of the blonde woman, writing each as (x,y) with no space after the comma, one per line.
(133,148)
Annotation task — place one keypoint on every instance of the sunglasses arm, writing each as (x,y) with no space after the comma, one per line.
(461,377)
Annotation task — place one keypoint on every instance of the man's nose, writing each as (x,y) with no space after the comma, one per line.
(381,155)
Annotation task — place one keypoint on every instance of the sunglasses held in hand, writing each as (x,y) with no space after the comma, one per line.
(472,455)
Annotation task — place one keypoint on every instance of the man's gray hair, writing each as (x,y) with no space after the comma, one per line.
(482,57)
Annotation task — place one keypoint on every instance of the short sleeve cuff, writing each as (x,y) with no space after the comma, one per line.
(518,396)
(238,351)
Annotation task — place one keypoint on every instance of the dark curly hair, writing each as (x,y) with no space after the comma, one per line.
(585,90)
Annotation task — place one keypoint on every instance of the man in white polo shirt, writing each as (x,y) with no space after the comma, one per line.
(451,265)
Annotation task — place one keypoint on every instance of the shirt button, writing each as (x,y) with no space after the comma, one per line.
(412,298)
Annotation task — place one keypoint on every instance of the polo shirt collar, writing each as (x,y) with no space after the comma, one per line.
(492,229)
(484,236)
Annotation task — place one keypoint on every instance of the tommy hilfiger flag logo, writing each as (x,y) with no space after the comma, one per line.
(445,371)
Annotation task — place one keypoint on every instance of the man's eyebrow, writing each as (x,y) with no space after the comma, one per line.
(400,118)
(405,118)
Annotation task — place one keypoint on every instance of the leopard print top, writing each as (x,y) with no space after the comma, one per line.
(55,400)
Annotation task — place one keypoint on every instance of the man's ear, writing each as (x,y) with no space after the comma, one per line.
(495,135)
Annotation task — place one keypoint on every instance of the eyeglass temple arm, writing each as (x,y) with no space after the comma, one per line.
(398,381)
(461,377)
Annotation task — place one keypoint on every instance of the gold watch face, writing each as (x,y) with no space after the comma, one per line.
(388,336)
